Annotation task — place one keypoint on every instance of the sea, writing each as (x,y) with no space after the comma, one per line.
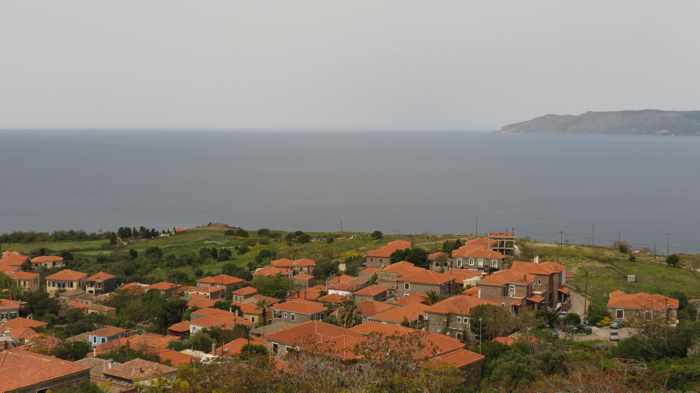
(577,189)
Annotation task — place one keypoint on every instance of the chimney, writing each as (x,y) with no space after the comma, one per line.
(536,259)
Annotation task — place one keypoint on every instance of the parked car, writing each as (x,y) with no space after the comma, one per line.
(616,324)
(614,335)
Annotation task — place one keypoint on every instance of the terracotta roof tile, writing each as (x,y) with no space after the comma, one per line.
(180,327)
(416,297)
(200,301)
(457,305)
(163,286)
(24,323)
(641,301)
(270,271)
(175,358)
(372,290)
(459,358)
(67,275)
(46,259)
(245,291)
(507,276)
(300,307)
(371,307)
(220,279)
(235,347)
(100,277)
(22,369)
(537,268)
(389,248)
(107,331)
(398,315)
(319,337)
(140,370)
(334,299)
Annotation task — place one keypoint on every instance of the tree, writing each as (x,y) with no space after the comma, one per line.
(225,255)
(265,256)
(673,260)
(377,235)
(264,232)
(133,254)
(490,321)
(154,253)
(432,297)
(682,299)
(277,286)
(251,350)
(234,270)
(325,269)
(27,266)
(347,315)
(450,245)
(72,351)
(417,256)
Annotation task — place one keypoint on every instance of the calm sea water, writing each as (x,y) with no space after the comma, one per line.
(640,188)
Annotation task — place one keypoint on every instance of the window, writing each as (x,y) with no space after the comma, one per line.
(539,282)
(620,314)
(292,316)
(285,315)
(459,319)
(471,261)
(459,263)
(648,315)
(511,290)
(275,348)
(406,286)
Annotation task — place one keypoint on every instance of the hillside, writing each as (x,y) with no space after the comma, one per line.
(644,122)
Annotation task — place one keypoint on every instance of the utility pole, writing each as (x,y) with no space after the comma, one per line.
(480,334)
(585,299)
(668,244)
(593,235)
(561,239)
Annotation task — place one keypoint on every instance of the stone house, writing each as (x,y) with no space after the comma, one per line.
(452,316)
(640,307)
(508,288)
(548,281)
(298,311)
(100,283)
(381,257)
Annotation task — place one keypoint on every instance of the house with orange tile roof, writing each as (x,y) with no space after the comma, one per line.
(234,347)
(304,279)
(65,280)
(23,371)
(345,285)
(412,315)
(221,280)
(470,363)
(549,281)
(296,266)
(174,358)
(99,283)
(374,292)
(381,257)
(105,334)
(475,256)
(369,308)
(452,316)
(298,311)
(509,288)
(240,295)
(165,288)
(271,271)
(149,343)
(213,293)
(12,261)
(180,329)
(129,376)
(48,262)
(642,307)
(25,281)
(315,337)
(209,318)
(133,288)
(414,298)
(424,281)
(199,301)
(9,309)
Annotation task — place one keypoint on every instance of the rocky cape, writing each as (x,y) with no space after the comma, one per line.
(643,122)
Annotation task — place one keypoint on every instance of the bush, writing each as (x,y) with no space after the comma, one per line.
(377,235)
(673,260)
(71,350)
(264,232)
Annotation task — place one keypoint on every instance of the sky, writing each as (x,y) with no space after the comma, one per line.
(359,64)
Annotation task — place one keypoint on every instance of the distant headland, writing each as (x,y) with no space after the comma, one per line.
(642,122)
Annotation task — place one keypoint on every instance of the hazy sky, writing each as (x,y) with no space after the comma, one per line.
(341,64)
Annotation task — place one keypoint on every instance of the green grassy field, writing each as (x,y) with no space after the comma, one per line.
(607,269)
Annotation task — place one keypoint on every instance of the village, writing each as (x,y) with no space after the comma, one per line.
(442,306)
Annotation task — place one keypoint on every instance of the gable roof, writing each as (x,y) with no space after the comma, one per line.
(20,275)
(415,297)
(433,344)
(21,369)
(139,370)
(320,337)
(537,268)
(641,301)
(107,331)
(46,259)
(235,347)
(372,290)
(402,267)
(175,358)
(100,277)
(67,275)
(458,305)
(344,282)
(425,277)
(371,307)
(458,358)
(200,301)
(245,291)
(220,279)
(507,276)
(148,342)
(163,286)
(300,307)
(386,250)
(476,251)
(7,304)
(334,298)
(20,322)
(270,271)
(397,315)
